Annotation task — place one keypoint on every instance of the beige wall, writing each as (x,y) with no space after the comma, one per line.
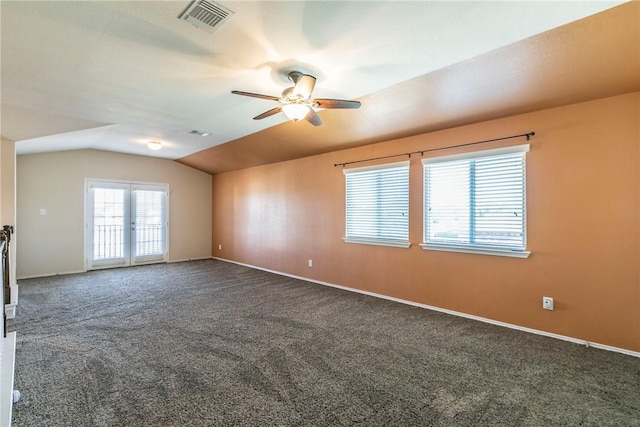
(583,195)
(54,243)
(8,196)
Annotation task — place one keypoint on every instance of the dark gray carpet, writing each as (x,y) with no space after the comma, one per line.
(208,343)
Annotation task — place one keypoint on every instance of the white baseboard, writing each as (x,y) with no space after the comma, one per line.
(452,312)
(189,259)
(7,367)
(64,273)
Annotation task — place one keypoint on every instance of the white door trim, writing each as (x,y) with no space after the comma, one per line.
(129,241)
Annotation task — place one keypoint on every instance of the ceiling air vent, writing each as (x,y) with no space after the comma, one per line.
(206,15)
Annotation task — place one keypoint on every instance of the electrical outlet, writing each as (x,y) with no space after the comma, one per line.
(310,263)
(547,303)
(219,247)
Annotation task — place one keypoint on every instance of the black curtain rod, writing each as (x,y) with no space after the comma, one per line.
(421,152)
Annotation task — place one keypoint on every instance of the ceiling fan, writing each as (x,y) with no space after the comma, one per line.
(296,102)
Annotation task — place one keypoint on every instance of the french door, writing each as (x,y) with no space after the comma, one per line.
(126,224)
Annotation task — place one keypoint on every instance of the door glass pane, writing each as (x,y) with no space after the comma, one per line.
(149,223)
(108,223)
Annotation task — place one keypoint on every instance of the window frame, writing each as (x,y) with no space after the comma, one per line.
(473,248)
(378,241)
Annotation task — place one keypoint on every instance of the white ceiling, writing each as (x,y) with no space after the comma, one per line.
(113,75)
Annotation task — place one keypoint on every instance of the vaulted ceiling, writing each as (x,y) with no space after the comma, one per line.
(113,75)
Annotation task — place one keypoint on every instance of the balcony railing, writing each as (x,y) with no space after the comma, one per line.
(109,240)
(149,239)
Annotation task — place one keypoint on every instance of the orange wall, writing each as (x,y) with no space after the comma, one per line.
(583,192)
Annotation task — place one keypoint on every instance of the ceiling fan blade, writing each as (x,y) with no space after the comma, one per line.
(304,86)
(268,113)
(313,118)
(336,103)
(255,95)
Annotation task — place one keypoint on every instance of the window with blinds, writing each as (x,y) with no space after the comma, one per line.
(150,229)
(108,216)
(476,202)
(377,205)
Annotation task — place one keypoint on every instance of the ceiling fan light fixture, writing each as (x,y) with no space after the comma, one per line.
(154,145)
(296,102)
(295,112)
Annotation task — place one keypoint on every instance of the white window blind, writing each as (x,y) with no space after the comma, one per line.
(476,201)
(108,223)
(377,204)
(150,224)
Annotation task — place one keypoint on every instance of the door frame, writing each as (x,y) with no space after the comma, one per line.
(88,233)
